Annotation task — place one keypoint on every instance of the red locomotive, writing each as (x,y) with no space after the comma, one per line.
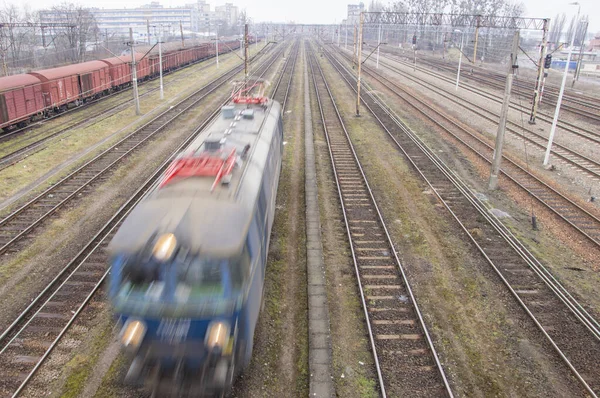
(26,97)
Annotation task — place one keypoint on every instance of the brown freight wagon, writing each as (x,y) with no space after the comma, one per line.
(73,83)
(21,98)
(119,71)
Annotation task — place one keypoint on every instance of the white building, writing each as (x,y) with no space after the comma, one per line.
(228,13)
(354,11)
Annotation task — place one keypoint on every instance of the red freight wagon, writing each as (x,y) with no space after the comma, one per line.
(21,98)
(72,82)
(142,66)
(119,70)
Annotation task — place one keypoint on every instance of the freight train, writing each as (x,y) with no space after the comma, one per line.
(188,264)
(27,97)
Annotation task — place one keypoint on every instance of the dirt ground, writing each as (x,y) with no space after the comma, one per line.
(280,351)
(572,259)
(486,343)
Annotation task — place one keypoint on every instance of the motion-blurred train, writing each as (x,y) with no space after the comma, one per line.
(188,263)
(27,97)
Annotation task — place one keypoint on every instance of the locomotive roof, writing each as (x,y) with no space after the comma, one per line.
(215,222)
(65,71)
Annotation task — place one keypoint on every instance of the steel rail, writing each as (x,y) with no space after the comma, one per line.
(482,77)
(39,123)
(589,226)
(504,233)
(98,242)
(497,79)
(583,314)
(388,240)
(592,324)
(146,131)
(276,95)
(569,127)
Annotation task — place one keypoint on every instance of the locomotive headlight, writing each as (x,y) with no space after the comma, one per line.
(133,333)
(217,335)
(164,247)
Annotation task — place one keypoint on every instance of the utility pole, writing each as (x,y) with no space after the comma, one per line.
(181,30)
(360,34)
(354,52)
(476,39)
(540,76)
(245,55)
(339,33)
(444,49)
(378,44)
(162,94)
(560,93)
(578,68)
(346,29)
(462,39)
(136,96)
(495,171)
(148,29)
(217,43)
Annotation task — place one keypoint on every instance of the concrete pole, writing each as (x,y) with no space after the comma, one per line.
(495,171)
(245,54)
(476,40)
(462,39)
(217,44)
(360,33)
(181,30)
(578,68)
(560,95)
(378,44)
(148,29)
(136,97)
(540,75)
(346,28)
(354,48)
(444,48)
(160,66)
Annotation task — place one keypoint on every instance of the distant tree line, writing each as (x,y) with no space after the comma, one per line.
(492,45)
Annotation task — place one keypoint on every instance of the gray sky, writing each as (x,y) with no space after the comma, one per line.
(326,11)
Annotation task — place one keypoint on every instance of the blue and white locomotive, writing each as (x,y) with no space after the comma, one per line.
(188,263)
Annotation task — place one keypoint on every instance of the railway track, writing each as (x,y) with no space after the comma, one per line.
(32,336)
(405,358)
(102,111)
(24,220)
(282,88)
(581,105)
(572,331)
(582,220)
(16,132)
(572,128)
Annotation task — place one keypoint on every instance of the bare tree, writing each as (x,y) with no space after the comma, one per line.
(72,41)
(557,29)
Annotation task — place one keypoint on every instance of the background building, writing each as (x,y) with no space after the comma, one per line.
(354,11)
(147,20)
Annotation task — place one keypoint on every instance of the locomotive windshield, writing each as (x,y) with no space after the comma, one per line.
(178,285)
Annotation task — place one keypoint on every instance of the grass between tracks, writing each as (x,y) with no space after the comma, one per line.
(36,166)
(473,327)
